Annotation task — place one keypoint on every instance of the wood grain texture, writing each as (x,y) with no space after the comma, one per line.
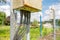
(29,5)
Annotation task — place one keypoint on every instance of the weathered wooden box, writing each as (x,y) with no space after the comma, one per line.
(29,5)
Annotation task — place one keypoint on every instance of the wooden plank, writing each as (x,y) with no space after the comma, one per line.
(37,4)
(29,5)
(17,4)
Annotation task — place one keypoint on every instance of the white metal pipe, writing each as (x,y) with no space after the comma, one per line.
(28,26)
(54,25)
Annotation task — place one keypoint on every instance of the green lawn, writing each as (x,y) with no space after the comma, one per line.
(4,32)
(34,33)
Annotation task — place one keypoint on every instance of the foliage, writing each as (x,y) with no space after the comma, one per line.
(46,31)
(35,32)
(58,22)
(4,1)
(35,23)
(2,17)
(7,21)
(4,32)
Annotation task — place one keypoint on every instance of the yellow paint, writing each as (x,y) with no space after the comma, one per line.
(29,5)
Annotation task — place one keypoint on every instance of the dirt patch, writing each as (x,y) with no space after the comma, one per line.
(50,36)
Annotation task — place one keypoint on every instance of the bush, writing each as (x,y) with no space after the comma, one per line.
(34,23)
(7,21)
(46,31)
(2,17)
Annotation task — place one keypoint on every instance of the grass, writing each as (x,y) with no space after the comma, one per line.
(34,33)
(4,33)
(58,38)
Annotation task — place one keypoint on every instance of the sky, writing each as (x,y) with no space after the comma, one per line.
(5,7)
(46,8)
(7,3)
(46,4)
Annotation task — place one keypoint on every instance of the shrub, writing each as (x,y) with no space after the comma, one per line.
(35,23)
(7,21)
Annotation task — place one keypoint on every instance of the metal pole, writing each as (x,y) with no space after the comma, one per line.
(40,26)
(12,24)
(25,22)
(28,26)
(15,15)
(16,36)
(21,23)
(15,25)
(21,17)
(54,26)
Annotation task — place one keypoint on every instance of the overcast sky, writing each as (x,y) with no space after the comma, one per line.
(46,4)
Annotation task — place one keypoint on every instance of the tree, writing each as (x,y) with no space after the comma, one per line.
(58,22)
(7,21)
(3,1)
(35,23)
(2,17)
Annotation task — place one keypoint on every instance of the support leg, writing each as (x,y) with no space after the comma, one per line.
(28,26)
(21,17)
(16,36)
(25,22)
(21,22)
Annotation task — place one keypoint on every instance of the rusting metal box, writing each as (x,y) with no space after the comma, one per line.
(29,5)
